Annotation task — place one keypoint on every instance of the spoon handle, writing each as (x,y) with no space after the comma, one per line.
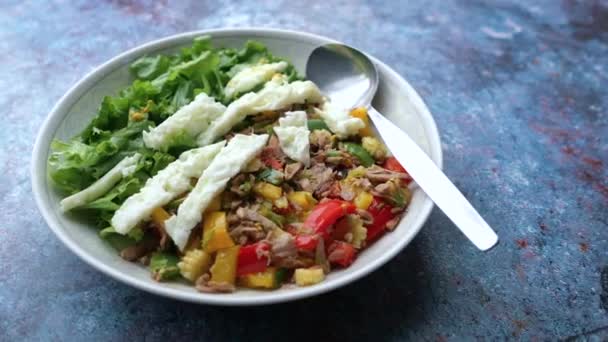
(435,183)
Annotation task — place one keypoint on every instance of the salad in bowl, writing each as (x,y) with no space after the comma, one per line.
(226,168)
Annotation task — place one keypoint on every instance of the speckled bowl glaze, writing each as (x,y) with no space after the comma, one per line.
(395,98)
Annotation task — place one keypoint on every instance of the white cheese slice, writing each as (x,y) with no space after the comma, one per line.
(165,186)
(239,151)
(248,78)
(123,169)
(293,136)
(339,120)
(190,119)
(274,96)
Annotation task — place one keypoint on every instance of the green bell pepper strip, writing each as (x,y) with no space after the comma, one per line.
(164,266)
(317,124)
(358,151)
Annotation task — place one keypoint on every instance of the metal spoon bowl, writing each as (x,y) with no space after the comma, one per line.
(350,79)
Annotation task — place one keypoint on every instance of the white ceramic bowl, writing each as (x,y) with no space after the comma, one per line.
(395,98)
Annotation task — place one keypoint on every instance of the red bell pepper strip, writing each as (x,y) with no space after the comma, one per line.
(341,253)
(392,164)
(253,258)
(306,242)
(381,213)
(324,214)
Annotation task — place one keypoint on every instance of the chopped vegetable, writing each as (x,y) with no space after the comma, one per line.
(307,242)
(281,203)
(382,213)
(360,153)
(357,172)
(374,147)
(317,124)
(350,229)
(268,279)
(253,258)
(321,257)
(267,190)
(215,232)
(164,266)
(194,263)
(361,113)
(266,211)
(309,276)
(341,253)
(391,163)
(302,199)
(363,200)
(271,176)
(223,270)
(159,216)
(325,214)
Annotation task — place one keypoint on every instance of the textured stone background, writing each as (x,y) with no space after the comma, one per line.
(518,90)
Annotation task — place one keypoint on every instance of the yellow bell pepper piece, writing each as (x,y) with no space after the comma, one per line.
(213,220)
(268,191)
(309,276)
(224,268)
(302,199)
(363,200)
(159,216)
(261,280)
(361,113)
(215,205)
(215,232)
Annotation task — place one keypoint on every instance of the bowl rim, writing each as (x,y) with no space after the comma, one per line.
(49,127)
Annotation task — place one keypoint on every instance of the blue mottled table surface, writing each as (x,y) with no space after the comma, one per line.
(518,90)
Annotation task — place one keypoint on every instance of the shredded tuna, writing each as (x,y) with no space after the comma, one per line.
(203,284)
(365,216)
(318,177)
(347,193)
(337,157)
(241,184)
(330,189)
(251,215)
(292,169)
(350,187)
(272,155)
(282,245)
(321,140)
(161,233)
(139,250)
(246,232)
(378,174)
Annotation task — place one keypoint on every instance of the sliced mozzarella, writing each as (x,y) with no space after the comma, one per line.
(239,151)
(165,186)
(293,136)
(340,121)
(123,169)
(274,96)
(248,78)
(190,119)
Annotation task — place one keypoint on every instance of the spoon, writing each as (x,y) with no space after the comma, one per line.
(350,79)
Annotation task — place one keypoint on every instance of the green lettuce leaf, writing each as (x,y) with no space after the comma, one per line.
(148,68)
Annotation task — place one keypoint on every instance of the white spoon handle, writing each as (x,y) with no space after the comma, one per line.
(434,183)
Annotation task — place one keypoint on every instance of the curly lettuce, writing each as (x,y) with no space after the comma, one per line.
(161,85)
